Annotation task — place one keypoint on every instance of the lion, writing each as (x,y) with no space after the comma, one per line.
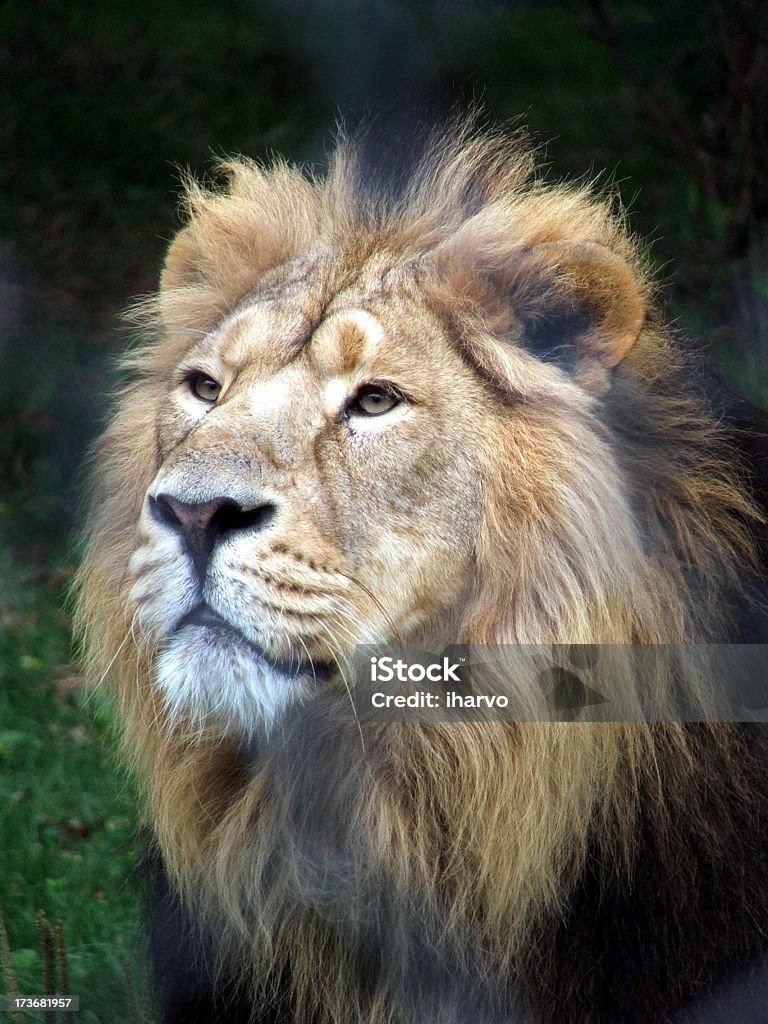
(444,411)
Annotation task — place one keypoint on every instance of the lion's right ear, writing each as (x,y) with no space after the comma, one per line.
(182,262)
(192,296)
(234,234)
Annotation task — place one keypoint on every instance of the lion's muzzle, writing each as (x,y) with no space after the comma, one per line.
(202,525)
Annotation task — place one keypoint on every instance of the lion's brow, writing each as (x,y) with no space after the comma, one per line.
(272,291)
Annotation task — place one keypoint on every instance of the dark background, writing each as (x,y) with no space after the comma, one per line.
(104,102)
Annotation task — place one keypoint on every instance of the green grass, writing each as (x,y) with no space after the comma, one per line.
(67,817)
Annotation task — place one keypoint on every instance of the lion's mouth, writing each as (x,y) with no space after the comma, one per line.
(202,615)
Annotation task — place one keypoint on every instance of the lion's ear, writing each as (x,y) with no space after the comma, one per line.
(190,296)
(236,231)
(182,262)
(577,304)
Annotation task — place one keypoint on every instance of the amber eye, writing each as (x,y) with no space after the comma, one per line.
(373,400)
(204,387)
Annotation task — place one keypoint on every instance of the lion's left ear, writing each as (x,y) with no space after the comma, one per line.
(577,304)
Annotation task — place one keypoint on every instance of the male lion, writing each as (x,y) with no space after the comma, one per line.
(446,411)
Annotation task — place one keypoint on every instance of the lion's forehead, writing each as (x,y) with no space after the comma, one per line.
(293,349)
(320,306)
(346,339)
(263,335)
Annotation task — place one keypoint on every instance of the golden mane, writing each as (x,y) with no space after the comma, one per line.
(483,829)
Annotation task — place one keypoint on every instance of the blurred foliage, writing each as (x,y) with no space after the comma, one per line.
(104,102)
(67,820)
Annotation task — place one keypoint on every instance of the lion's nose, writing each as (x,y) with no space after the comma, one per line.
(202,524)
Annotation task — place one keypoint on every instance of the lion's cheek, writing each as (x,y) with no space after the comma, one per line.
(419,567)
(163,586)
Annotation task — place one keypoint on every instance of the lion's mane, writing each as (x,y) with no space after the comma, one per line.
(467,871)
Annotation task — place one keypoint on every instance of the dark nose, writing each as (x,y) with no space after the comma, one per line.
(202,524)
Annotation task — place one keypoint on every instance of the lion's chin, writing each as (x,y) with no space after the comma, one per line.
(208,672)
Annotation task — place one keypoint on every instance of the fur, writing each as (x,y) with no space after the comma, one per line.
(552,478)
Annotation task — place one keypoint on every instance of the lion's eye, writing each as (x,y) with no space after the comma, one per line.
(373,400)
(204,387)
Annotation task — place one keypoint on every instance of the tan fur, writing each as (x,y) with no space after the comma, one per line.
(528,517)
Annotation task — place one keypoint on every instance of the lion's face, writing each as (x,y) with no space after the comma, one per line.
(367,435)
(315,490)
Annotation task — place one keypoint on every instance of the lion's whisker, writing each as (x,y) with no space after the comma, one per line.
(338,658)
(395,636)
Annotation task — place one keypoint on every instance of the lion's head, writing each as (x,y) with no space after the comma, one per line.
(447,414)
(362,424)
